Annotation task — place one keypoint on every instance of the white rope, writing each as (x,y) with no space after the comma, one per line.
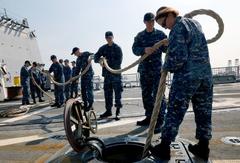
(213,15)
(39,87)
(72,79)
(119,71)
(156,110)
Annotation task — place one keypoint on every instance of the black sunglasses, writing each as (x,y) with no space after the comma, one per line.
(164,22)
(165,15)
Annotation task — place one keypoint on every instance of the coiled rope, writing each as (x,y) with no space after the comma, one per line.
(22,110)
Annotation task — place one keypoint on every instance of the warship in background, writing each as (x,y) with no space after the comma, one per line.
(18,43)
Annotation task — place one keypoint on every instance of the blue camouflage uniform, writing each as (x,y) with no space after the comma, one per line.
(24,76)
(57,70)
(86,79)
(62,97)
(188,59)
(113,55)
(33,88)
(74,84)
(43,78)
(67,75)
(150,69)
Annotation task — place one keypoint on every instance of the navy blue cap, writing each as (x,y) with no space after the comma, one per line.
(27,62)
(60,61)
(53,57)
(74,50)
(34,63)
(108,33)
(148,17)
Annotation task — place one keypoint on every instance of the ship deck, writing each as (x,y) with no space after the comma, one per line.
(39,136)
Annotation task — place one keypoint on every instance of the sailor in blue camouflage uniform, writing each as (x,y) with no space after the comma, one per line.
(24,76)
(188,59)
(112,82)
(60,61)
(150,68)
(74,84)
(57,70)
(67,75)
(83,59)
(34,72)
(43,79)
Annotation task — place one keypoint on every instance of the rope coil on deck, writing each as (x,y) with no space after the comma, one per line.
(14,112)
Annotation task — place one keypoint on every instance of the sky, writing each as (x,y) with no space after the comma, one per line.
(61,25)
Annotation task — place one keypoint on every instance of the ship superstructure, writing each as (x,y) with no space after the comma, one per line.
(17,44)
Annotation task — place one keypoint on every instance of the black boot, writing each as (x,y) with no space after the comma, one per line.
(34,101)
(117,114)
(158,127)
(59,105)
(162,150)
(27,102)
(106,114)
(200,150)
(88,108)
(144,122)
(53,105)
(41,100)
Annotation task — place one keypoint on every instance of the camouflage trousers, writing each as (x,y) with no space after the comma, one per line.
(25,92)
(59,94)
(149,84)
(87,90)
(110,85)
(200,92)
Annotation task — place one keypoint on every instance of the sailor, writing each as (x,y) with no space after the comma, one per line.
(112,82)
(74,84)
(61,64)
(67,75)
(83,59)
(57,70)
(150,68)
(43,79)
(33,72)
(24,76)
(188,59)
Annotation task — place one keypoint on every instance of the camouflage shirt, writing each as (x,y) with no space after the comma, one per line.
(148,39)
(67,72)
(113,55)
(81,64)
(24,75)
(57,70)
(187,49)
